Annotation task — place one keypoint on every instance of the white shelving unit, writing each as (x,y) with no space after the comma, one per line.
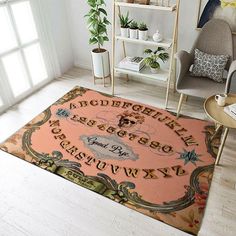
(166,43)
(141,6)
(163,75)
(146,73)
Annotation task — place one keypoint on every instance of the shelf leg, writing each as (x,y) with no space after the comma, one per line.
(124,48)
(113,48)
(180,105)
(172,70)
(167,92)
(175,50)
(124,52)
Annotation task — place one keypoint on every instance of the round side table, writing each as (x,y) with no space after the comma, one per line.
(217,114)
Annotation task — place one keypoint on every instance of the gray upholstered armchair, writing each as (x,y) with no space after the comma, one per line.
(215,38)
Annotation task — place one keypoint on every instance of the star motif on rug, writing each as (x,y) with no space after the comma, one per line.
(189,156)
(63,113)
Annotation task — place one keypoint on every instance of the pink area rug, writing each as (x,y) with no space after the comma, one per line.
(137,155)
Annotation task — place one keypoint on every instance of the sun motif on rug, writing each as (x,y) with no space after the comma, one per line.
(189,156)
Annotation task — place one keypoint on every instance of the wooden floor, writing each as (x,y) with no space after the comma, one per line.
(35,202)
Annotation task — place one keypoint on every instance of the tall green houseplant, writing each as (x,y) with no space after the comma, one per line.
(97,25)
(97,22)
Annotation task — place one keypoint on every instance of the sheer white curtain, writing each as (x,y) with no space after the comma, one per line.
(27,56)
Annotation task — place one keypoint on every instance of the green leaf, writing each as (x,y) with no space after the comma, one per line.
(92,31)
(147,51)
(90,20)
(93,41)
(103,11)
(124,20)
(160,49)
(148,61)
(101,41)
(106,21)
(91,3)
(142,26)
(164,56)
(105,38)
(101,29)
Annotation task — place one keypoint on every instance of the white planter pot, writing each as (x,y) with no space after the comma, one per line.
(124,32)
(133,33)
(143,35)
(154,70)
(101,63)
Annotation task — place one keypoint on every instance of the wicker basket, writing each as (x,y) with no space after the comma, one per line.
(145,2)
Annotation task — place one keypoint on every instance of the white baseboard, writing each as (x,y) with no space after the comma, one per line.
(83,66)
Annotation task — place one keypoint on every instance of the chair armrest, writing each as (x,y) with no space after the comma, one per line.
(232,70)
(185,59)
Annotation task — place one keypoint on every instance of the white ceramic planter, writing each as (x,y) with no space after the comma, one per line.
(143,34)
(133,33)
(154,70)
(101,63)
(124,32)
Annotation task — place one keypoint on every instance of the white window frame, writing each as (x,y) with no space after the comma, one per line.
(47,47)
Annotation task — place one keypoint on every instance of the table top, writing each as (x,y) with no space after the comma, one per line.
(217,114)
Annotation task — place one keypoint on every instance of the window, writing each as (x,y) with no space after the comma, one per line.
(22,61)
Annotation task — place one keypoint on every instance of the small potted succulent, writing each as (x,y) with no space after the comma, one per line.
(154,57)
(124,25)
(133,30)
(143,31)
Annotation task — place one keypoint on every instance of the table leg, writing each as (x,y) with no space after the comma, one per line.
(218,127)
(222,145)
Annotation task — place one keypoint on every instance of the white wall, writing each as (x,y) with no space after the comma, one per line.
(57,21)
(159,20)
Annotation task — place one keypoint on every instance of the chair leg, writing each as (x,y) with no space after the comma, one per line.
(185,98)
(180,104)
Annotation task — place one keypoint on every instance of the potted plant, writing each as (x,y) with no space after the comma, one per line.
(124,25)
(97,24)
(133,30)
(143,31)
(154,57)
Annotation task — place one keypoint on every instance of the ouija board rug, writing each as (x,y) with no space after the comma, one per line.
(137,155)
